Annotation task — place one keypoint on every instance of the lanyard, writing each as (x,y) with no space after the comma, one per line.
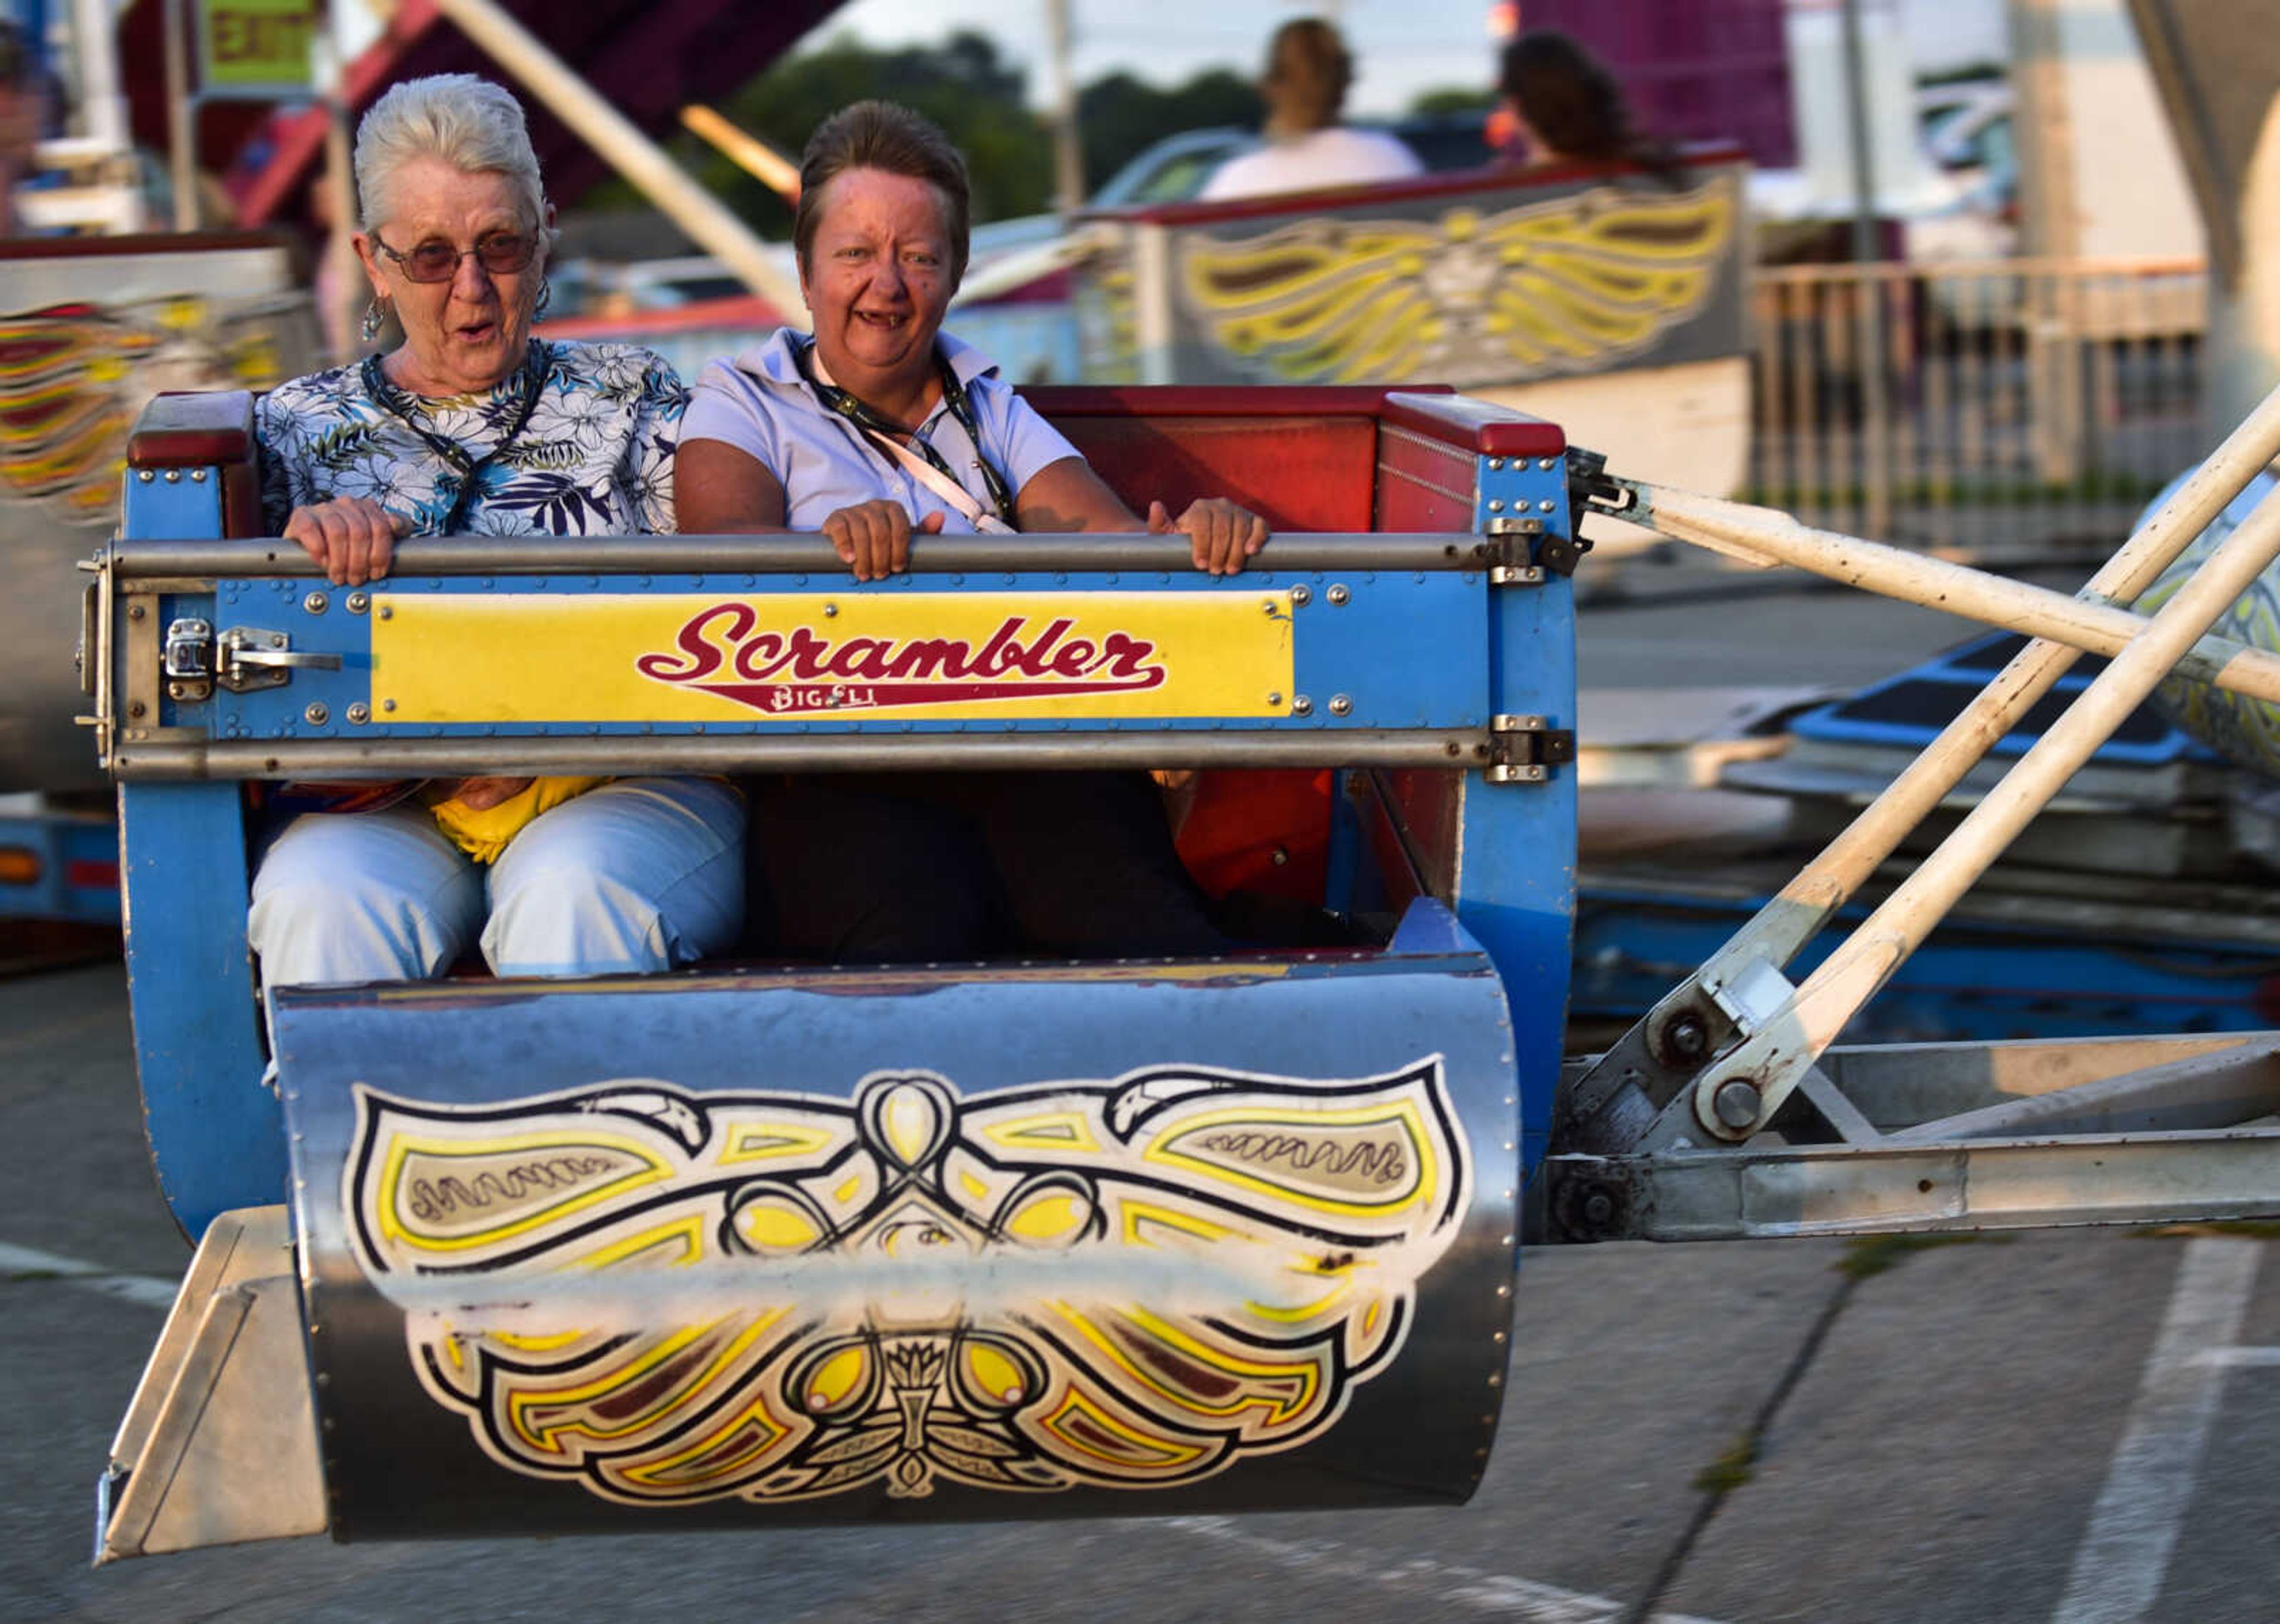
(953,397)
(528,381)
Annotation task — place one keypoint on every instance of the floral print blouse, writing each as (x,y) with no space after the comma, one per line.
(593,454)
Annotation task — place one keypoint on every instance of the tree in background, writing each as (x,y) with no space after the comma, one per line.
(981,101)
(1118,116)
(963,84)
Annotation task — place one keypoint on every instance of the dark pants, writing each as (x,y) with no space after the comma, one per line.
(907,868)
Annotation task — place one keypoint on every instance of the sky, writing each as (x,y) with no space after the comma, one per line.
(1400,47)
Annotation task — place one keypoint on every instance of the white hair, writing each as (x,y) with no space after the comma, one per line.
(468,121)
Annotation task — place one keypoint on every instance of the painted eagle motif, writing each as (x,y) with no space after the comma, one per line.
(672,1296)
(1569,285)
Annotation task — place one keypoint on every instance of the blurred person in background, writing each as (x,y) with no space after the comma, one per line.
(1308,71)
(22,106)
(1559,104)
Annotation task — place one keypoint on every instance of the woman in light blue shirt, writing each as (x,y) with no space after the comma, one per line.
(879,429)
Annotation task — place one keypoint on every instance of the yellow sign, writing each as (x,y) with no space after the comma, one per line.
(257,48)
(905,657)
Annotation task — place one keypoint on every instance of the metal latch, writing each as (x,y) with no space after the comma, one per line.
(245,658)
(249,658)
(1522,750)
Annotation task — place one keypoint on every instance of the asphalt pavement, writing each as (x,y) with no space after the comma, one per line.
(2073,1426)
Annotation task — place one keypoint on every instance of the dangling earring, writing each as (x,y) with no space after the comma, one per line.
(375,317)
(545,298)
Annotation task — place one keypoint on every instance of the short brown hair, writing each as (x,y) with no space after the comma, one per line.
(885,136)
(1307,73)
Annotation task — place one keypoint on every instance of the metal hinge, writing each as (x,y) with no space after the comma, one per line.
(187,660)
(242,659)
(1523,750)
(1520,552)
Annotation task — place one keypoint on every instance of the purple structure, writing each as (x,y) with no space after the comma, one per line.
(1695,70)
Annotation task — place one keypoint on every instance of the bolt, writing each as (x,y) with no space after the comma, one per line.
(1598,1209)
(1339,594)
(1340,705)
(135,708)
(317,715)
(134,612)
(359,712)
(358,603)
(1735,1102)
(315,603)
(1301,595)
(1687,1038)
(1302,706)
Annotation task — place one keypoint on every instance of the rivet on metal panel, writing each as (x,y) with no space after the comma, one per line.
(317,715)
(830,609)
(1504,1290)
(386,613)
(1302,706)
(1496,506)
(1547,506)
(388,704)
(1268,607)
(145,476)
(197,476)
(1340,705)
(1496,1378)
(359,712)
(355,603)
(1338,594)
(315,603)
(1548,463)
(174,476)
(1301,594)
(136,611)
(1274,699)
(136,708)
(1496,465)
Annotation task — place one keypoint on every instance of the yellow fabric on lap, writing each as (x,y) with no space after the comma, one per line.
(482,834)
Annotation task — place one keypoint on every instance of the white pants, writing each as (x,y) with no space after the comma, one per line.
(640,874)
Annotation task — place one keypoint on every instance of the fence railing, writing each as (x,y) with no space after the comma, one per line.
(2003,411)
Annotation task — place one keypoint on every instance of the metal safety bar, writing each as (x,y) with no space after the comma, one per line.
(782,553)
(193,757)
(1615,1104)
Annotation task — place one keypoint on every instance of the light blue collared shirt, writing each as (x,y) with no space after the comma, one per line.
(757,402)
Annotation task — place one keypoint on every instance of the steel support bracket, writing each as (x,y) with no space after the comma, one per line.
(1523,750)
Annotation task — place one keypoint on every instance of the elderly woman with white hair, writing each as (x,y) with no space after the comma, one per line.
(473,427)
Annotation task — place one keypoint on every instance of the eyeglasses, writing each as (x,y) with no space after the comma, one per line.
(502,253)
